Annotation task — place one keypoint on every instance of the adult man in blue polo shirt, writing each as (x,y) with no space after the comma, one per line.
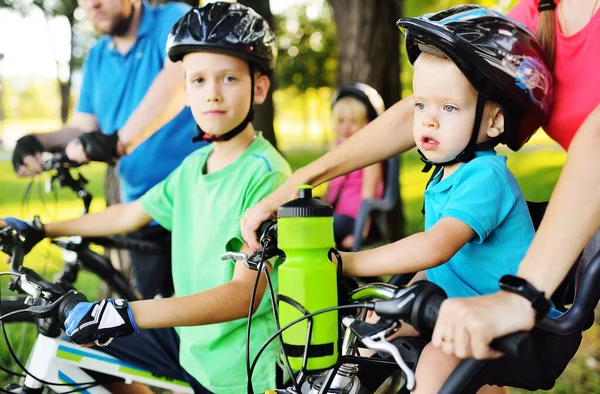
(130,86)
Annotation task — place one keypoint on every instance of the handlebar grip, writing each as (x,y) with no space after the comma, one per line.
(68,304)
(268,228)
(518,344)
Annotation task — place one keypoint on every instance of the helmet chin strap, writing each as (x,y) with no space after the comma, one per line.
(204,136)
(468,153)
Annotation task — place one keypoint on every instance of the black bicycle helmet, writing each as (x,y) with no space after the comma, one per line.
(501,59)
(230,28)
(363,93)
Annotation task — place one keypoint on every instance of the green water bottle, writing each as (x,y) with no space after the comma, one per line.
(308,280)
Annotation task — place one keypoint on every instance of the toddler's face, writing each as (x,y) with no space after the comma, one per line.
(444,110)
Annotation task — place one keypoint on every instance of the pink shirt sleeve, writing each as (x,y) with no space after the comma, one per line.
(526,13)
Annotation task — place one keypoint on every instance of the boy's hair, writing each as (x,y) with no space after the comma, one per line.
(228,28)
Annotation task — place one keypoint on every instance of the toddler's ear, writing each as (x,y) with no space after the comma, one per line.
(496,122)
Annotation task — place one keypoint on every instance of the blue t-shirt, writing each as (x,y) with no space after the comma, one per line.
(485,195)
(113,86)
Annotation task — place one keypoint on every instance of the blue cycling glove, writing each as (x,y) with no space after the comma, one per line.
(100,322)
(32,231)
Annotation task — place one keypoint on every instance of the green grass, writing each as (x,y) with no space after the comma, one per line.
(536,169)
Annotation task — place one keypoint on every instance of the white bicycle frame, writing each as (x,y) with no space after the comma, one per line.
(58,361)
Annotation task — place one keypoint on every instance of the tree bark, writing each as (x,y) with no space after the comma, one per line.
(65,86)
(264,113)
(369,52)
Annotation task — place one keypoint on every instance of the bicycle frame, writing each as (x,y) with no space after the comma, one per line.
(56,360)
(342,376)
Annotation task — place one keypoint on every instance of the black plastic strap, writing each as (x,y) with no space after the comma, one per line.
(325,349)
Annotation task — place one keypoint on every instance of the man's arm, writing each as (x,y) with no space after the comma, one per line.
(226,302)
(386,136)
(416,253)
(163,101)
(27,159)
(116,219)
(58,140)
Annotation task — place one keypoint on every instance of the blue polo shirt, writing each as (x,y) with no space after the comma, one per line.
(113,86)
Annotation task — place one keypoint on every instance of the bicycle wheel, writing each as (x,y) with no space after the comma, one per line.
(21,330)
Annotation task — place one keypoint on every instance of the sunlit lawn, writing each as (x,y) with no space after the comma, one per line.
(536,168)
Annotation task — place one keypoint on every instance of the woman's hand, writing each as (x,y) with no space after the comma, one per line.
(254,217)
(466,326)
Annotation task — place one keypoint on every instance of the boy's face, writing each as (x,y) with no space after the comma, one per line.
(218,90)
(444,110)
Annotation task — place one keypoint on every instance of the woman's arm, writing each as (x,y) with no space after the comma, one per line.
(573,213)
(386,136)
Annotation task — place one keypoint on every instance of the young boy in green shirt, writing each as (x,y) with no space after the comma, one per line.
(228,51)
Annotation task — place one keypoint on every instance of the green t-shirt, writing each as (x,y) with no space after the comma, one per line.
(203,212)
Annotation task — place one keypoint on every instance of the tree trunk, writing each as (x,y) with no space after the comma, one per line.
(369,52)
(65,86)
(264,113)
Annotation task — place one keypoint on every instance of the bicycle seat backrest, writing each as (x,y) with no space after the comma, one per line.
(391,195)
(391,185)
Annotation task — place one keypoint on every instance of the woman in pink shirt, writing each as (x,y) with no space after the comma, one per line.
(353,107)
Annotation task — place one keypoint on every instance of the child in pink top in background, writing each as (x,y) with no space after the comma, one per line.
(354,106)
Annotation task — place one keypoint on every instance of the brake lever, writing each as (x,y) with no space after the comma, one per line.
(373,337)
(45,311)
(254,260)
(263,254)
(377,342)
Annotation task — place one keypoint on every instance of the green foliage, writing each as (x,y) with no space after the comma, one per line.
(37,99)
(307,49)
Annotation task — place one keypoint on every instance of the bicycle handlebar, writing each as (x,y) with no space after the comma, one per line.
(61,164)
(419,305)
(59,160)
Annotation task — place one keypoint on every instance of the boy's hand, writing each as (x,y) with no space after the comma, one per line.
(100,322)
(32,231)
